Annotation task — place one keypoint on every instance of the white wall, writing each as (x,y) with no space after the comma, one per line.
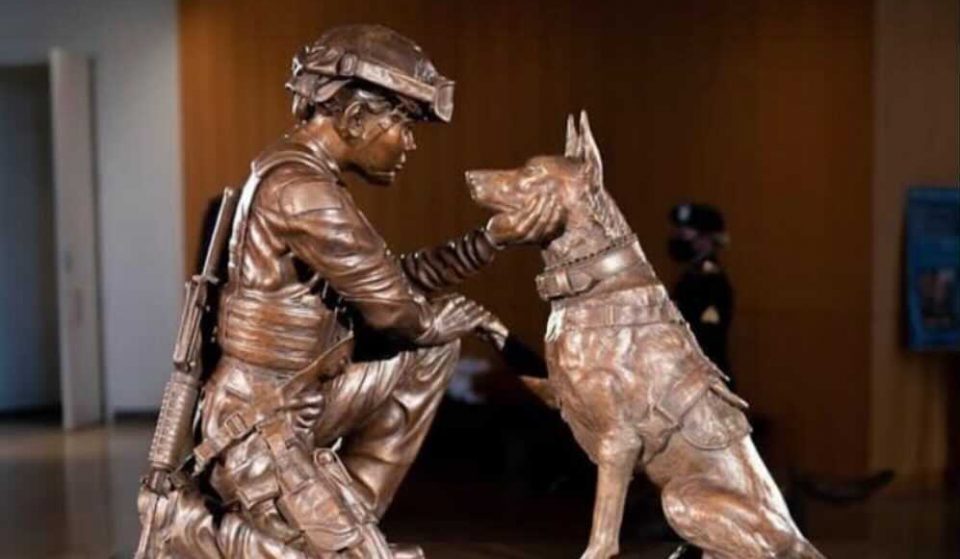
(133,45)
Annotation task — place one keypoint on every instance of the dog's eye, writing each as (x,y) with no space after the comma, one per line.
(532,171)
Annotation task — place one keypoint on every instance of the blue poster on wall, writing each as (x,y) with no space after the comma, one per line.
(933,268)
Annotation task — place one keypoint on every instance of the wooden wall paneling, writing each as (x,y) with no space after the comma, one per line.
(762,109)
(915,396)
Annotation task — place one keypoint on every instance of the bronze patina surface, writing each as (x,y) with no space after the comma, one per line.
(306,430)
(628,376)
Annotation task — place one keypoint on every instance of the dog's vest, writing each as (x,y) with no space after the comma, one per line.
(697,404)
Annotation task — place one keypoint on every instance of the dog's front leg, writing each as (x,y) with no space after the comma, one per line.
(615,470)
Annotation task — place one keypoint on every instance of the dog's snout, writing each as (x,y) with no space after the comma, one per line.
(475,183)
(473,177)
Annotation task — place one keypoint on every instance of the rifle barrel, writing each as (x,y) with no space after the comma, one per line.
(228,203)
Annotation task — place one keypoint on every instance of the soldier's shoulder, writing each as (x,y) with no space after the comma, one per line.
(300,193)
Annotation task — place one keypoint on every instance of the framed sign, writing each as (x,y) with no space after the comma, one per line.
(933,268)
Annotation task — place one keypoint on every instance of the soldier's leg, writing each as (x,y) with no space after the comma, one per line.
(384,410)
(238,538)
(292,503)
(185,528)
(282,501)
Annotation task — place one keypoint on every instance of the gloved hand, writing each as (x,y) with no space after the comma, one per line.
(537,221)
(493,331)
(453,317)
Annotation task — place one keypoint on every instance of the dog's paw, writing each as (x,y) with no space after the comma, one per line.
(601,551)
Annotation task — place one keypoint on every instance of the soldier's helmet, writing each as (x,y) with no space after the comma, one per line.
(371,54)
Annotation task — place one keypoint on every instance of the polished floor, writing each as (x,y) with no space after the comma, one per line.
(72,495)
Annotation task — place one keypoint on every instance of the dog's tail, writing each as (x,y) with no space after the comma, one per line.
(805,550)
(542,389)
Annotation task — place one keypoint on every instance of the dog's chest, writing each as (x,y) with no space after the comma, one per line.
(591,374)
(608,359)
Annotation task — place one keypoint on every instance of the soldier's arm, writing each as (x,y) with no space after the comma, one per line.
(324,228)
(449,264)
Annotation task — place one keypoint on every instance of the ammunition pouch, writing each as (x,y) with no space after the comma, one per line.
(270,405)
(317,497)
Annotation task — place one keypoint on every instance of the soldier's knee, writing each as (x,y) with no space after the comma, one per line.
(438,362)
(449,351)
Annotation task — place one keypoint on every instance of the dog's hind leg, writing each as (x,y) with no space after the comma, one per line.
(614,472)
(729,525)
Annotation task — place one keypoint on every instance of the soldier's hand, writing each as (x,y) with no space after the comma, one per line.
(494,331)
(539,220)
(453,318)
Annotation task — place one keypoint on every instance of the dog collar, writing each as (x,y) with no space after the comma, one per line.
(579,275)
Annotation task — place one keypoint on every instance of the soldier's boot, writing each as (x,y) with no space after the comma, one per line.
(183,526)
(407,551)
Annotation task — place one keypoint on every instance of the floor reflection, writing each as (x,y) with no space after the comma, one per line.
(74,496)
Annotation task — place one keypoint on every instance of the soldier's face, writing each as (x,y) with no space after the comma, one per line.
(382,148)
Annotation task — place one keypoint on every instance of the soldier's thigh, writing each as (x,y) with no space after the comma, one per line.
(356,393)
(364,387)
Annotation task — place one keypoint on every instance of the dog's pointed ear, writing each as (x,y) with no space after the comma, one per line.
(590,151)
(572,147)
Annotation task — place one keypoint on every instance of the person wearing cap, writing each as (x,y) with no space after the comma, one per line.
(307,273)
(703,293)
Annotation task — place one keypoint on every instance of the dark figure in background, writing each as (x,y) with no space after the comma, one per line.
(703,294)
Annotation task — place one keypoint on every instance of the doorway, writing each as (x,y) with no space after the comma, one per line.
(49,286)
(29,351)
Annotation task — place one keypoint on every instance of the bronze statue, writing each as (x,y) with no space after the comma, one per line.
(628,376)
(302,446)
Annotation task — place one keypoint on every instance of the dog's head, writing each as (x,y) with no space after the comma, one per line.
(569,177)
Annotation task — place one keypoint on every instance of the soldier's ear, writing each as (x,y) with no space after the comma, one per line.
(350,123)
(590,151)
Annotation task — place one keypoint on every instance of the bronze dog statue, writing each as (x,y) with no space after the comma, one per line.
(629,377)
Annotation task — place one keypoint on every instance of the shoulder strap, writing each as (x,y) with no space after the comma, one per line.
(284,153)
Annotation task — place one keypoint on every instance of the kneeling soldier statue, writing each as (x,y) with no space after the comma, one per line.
(306,269)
